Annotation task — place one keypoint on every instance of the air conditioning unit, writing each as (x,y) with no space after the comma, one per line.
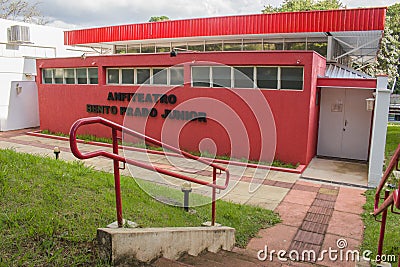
(18,34)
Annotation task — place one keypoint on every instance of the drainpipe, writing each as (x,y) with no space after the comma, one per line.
(379,129)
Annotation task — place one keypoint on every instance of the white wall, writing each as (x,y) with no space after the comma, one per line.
(18,65)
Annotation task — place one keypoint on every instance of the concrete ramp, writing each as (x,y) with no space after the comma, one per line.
(128,245)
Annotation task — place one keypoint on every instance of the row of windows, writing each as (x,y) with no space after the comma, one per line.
(263,77)
(71,76)
(156,76)
(248,77)
(317,45)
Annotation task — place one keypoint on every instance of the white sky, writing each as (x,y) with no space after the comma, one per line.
(93,13)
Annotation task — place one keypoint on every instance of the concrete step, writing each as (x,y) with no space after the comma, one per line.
(220,259)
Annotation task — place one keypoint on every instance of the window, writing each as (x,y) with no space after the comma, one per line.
(58,76)
(47,76)
(113,76)
(128,76)
(69,76)
(160,76)
(233,45)
(143,76)
(252,45)
(201,76)
(133,49)
(292,78)
(243,77)
(267,77)
(176,76)
(213,45)
(221,76)
(93,76)
(148,48)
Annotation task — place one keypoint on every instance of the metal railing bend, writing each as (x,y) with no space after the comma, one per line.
(391,199)
(118,158)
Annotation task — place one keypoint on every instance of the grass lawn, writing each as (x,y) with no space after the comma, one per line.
(50,210)
(392,235)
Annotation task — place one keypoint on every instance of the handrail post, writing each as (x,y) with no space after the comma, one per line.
(383,227)
(213,207)
(117,180)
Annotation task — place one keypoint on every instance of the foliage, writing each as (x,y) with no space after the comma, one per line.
(159,18)
(50,211)
(303,5)
(22,11)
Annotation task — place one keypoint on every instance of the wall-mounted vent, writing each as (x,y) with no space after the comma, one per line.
(18,34)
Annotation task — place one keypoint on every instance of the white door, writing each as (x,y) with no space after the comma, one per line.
(344,123)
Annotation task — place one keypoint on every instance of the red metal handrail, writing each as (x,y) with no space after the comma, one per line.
(390,199)
(117,158)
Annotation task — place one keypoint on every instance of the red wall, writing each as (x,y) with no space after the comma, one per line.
(295,113)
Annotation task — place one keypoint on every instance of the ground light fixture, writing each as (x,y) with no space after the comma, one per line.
(186,189)
(56,151)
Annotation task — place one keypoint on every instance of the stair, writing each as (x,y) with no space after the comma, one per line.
(209,259)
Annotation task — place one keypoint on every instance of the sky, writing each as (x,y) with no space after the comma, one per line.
(75,14)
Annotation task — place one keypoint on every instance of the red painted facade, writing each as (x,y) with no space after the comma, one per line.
(366,19)
(295,113)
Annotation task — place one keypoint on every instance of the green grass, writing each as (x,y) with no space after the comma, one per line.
(372,227)
(87,137)
(50,210)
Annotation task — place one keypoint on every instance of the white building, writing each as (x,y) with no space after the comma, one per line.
(20,45)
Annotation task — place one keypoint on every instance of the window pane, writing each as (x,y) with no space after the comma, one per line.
(93,76)
(252,45)
(176,76)
(148,48)
(243,77)
(270,45)
(58,75)
(160,76)
(47,75)
(267,77)
(295,46)
(292,78)
(163,47)
(120,49)
(127,76)
(133,49)
(214,46)
(143,76)
(81,75)
(320,48)
(221,76)
(201,76)
(69,76)
(196,46)
(113,76)
(233,45)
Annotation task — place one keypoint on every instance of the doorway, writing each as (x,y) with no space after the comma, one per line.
(344,123)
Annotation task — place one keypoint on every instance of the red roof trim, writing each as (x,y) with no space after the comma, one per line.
(346,83)
(366,19)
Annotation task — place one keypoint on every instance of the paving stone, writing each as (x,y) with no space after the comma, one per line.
(300,197)
(309,237)
(346,225)
(323,203)
(321,210)
(308,188)
(328,191)
(303,251)
(292,214)
(314,227)
(278,237)
(317,218)
(350,200)
(268,182)
(283,184)
(332,187)
(345,245)
(326,197)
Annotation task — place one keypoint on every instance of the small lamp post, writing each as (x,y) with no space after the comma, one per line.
(56,151)
(370,104)
(186,189)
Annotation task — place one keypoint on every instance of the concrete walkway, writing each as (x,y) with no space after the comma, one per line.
(315,216)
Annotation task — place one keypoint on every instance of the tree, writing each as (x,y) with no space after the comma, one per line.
(388,55)
(22,11)
(160,18)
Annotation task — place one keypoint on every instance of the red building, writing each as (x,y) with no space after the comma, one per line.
(244,86)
